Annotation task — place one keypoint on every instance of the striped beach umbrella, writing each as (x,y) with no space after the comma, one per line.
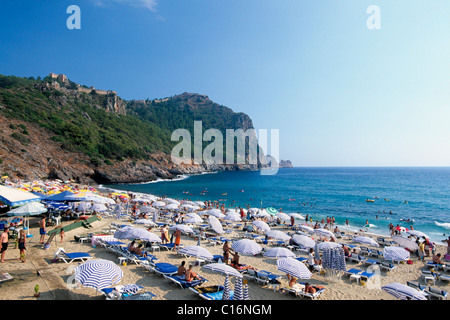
(226,288)
(98,274)
(395,253)
(294,268)
(404,292)
(131,233)
(261,225)
(324,233)
(238,292)
(223,268)
(406,243)
(303,241)
(246,247)
(196,251)
(278,252)
(418,234)
(272,211)
(366,240)
(328,245)
(245,293)
(278,235)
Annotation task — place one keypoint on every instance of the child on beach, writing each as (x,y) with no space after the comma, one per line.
(61,234)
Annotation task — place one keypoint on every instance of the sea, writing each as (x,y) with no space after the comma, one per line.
(369,198)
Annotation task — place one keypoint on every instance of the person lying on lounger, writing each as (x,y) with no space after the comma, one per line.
(191,275)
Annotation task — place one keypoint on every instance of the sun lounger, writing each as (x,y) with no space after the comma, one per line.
(444,277)
(301,259)
(353,271)
(312,296)
(165,268)
(372,262)
(435,266)
(376,253)
(428,276)
(5,276)
(386,266)
(416,285)
(251,274)
(364,251)
(211,292)
(265,277)
(354,257)
(183,283)
(440,294)
(169,246)
(446,267)
(118,292)
(60,254)
(367,276)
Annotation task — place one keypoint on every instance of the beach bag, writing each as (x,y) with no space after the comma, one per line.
(409,262)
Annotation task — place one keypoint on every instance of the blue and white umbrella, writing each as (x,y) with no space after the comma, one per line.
(324,233)
(147,222)
(223,268)
(226,289)
(294,268)
(303,241)
(278,235)
(98,274)
(84,206)
(215,225)
(366,240)
(246,247)
(334,259)
(245,293)
(406,243)
(328,245)
(58,206)
(148,209)
(279,252)
(418,233)
(131,233)
(395,253)
(258,224)
(196,251)
(238,291)
(404,292)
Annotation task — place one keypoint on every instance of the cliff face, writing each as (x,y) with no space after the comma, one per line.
(51,129)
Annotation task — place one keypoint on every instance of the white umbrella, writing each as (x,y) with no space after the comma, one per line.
(297,216)
(158,204)
(218,215)
(182,227)
(84,206)
(395,253)
(283,216)
(294,268)
(148,209)
(234,217)
(171,201)
(306,228)
(196,251)
(98,207)
(279,252)
(193,218)
(418,233)
(131,233)
(262,214)
(199,203)
(191,203)
(246,247)
(404,292)
(278,235)
(324,233)
(98,274)
(145,222)
(211,211)
(261,225)
(223,268)
(366,240)
(215,225)
(304,241)
(171,206)
(28,209)
(328,245)
(406,243)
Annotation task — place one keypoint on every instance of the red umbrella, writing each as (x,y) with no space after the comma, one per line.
(401,229)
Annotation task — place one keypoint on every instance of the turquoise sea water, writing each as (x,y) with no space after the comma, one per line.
(322,192)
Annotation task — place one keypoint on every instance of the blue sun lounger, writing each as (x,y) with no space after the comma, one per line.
(165,268)
(73,256)
(184,283)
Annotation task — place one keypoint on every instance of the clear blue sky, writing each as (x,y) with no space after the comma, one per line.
(341,94)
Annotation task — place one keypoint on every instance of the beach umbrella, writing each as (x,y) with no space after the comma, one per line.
(215,224)
(278,235)
(199,203)
(261,225)
(253,210)
(98,274)
(279,252)
(217,214)
(401,229)
(148,209)
(294,268)
(193,218)
(246,247)
(234,217)
(171,206)
(226,288)
(324,233)
(131,233)
(404,292)
(333,259)
(28,209)
(182,227)
(297,216)
(58,206)
(395,253)
(272,211)
(60,197)
(158,204)
(303,241)
(98,207)
(366,240)
(306,228)
(191,203)
(223,268)
(84,206)
(147,222)
(283,216)
(238,292)
(196,251)
(262,214)
(418,233)
(245,295)
(189,208)
(171,201)
(406,243)
(327,245)
(211,212)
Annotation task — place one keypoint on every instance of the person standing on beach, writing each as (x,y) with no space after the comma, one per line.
(177,239)
(226,252)
(61,234)
(4,241)
(42,231)
(22,248)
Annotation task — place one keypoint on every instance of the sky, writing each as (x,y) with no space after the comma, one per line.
(340,93)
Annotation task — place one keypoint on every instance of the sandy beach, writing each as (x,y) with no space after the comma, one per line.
(52,277)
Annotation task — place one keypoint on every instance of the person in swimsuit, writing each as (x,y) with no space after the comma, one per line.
(181,272)
(42,231)
(22,238)
(177,239)
(191,275)
(226,251)
(4,241)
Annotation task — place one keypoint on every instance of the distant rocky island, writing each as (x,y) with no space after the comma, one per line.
(285,164)
(58,129)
